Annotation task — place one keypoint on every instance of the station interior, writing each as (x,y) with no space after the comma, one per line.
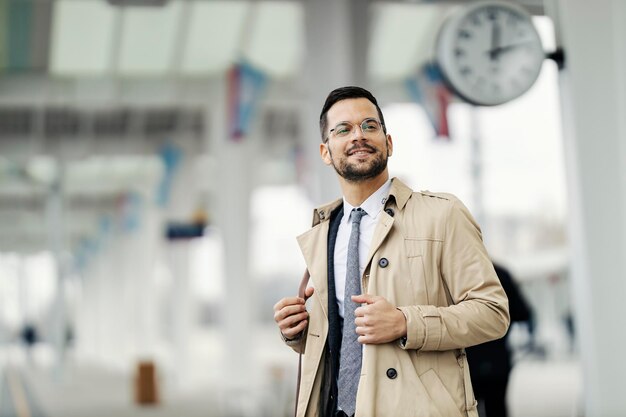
(158,159)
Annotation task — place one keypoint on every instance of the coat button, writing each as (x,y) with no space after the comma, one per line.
(392,373)
(322,215)
(383,262)
(389,212)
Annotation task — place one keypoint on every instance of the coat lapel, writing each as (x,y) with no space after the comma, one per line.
(380,233)
(400,194)
(313,245)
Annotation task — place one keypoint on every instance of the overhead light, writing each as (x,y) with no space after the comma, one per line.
(150,3)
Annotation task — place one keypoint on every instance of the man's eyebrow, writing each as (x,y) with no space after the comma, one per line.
(348,121)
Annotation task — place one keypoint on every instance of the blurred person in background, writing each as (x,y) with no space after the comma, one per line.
(400,283)
(490,362)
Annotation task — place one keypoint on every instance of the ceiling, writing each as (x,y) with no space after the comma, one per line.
(192,38)
(47,43)
(72,38)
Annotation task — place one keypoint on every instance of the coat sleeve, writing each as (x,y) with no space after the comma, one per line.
(298,343)
(477,309)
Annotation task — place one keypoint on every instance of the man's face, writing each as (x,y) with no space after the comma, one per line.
(359,155)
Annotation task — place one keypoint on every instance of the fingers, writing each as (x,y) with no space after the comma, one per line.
(366,298)
(361,322)
(297,326)
(287,301)
(367,340)
(294,331)
(308,292)
(291,316)
(288,311)
(379,322)
(369,335)
(366,335)
(364,309)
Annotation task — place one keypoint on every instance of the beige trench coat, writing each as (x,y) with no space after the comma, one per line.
(440,276)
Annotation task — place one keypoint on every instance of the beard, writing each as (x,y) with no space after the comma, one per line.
(358,172)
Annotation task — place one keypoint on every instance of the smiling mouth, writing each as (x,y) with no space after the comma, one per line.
(363,151)
(360,153)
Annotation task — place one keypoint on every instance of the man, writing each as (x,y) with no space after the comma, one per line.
(400,283)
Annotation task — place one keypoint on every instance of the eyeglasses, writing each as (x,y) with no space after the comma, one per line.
(369,127)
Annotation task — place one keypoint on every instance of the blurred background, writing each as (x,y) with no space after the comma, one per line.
(148,149)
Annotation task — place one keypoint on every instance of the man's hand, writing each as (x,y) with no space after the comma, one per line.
(291,316)
(378,321)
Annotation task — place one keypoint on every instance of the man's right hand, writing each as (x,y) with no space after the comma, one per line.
(291,316)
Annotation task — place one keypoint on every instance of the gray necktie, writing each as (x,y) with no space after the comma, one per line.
(351,350)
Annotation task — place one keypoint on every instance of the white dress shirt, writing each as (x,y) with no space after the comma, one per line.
(372,206)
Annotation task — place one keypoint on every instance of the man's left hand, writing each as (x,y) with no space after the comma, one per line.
(377,320)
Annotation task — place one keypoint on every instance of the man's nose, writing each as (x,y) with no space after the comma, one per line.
(357,133)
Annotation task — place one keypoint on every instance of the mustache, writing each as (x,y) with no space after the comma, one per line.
(360,147)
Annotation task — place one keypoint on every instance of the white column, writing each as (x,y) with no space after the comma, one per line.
(86,337)
(337,34)
(142,247)
(231,200)
(180,207)
(594,100)
(56,237)
(476,158)
(101,301)
(181,310)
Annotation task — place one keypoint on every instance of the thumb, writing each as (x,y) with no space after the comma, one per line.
(363,298)
(308,292)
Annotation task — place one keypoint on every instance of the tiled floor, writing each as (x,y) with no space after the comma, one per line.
(537,388)
(545,389)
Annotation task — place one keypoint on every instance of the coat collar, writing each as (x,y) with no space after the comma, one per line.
(322,213)
(399,191)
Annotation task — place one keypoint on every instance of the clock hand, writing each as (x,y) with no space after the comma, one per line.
(498,50)
(495,41)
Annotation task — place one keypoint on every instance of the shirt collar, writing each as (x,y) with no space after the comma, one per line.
(374,203)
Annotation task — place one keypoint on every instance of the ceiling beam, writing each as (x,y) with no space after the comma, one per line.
(534,7)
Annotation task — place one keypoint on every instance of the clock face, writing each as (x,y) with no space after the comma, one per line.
(490,52)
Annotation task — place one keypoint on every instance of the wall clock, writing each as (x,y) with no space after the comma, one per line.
(489,52)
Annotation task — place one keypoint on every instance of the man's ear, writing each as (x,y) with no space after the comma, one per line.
(325,153)
(389,145)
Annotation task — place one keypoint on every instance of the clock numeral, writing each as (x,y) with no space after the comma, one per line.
(492,14)
(465,71)
(458,52)
(512,20)
(480,83)
(465,34)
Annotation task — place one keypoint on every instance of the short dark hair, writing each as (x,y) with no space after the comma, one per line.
(344,93)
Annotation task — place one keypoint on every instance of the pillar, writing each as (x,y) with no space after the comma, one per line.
(594,104)
(337,39)
(231,201)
